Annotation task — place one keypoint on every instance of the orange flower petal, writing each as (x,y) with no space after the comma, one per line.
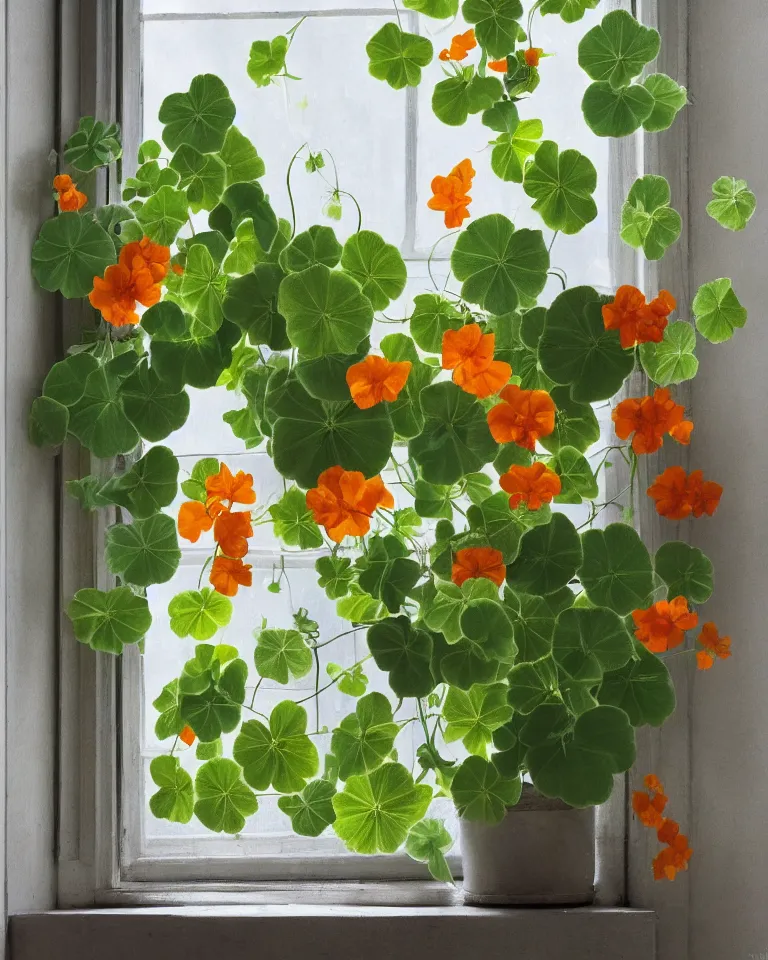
(187,736)
(376,379)
(533,56)
(231,532)
(193,520)
(488,382)
(236,489)
(474,562)
(500,66)
(344,501)
(661,626)
(523,417)
(69,197)
(228,574)
(533,486)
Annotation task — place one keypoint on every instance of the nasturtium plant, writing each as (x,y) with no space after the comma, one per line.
(441,485)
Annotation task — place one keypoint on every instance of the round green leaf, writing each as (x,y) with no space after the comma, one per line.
(93,144)
(686,571)
(534,621)
(669,98)
(107,621)
(500,267)
(575,424)
(311,811)
(241,160)
(496,24)
(364,739)
(718,311)
(203,288)
(455,98)
(174,800)
(386,572)
(325,378)
(587,642)
(150,484)
(70,250)
(732,204)
(197,361)
(203,176)
(472,715)
(66,379)
(164,214)
(311,435)
(377,266)
(199,614)
(549,557)
(569,10)
(375,812)
(324,310)
(439,9)
(403,651)
(576,348)
(481,793)
(48,422)
(617,49)
(282,754)
(267,60)
(530,684)
(647,220)
(486,625)
(428,842)
(578,482)
(293,522)
(98,420)
(316,245)
(672,360)
(213,711)
(616,571)
(153,406)
(248,202)
(200,117)
(144,552)
(282,654)
(223,800)
(398,57)
(562,185)
(642,688)
(616,113)
(251,303)
(165,321)
(456,439)
(580,770)
(432,316)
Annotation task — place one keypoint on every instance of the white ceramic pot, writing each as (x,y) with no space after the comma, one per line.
(542,852)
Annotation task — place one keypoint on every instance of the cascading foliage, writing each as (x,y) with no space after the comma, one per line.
(538,646)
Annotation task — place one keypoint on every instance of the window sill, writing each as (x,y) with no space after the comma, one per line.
(341,932)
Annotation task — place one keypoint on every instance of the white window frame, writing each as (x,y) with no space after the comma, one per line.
(108,37)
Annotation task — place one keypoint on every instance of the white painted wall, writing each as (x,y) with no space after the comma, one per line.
(28,566)
(729,135)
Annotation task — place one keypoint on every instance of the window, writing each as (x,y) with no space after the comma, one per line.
(386,147)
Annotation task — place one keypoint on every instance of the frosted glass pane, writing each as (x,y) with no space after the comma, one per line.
(258,7)
(358,119)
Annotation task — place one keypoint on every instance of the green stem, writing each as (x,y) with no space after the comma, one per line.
(338,636)
(290,192)
(317,688)
(397,14)
(255,691)
(334,681)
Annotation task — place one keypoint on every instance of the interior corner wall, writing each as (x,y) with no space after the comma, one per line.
(28,489)
(729,136)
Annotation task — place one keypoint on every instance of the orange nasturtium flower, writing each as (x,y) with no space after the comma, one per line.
(193,520)
(344,501)
(451,194)
(523,417)
(69,197)
(673,858)
(469,353)
(231,532)
(533,486)
(143,254)
(474,562)
(715,647)
(375,379)
(500,66)
(678,495)
(224,486)
(649,807)
(117,293)
(187,736)
(461,44)
(661,626)
(533,56)
(636,320)
(650,419)
(227,574)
